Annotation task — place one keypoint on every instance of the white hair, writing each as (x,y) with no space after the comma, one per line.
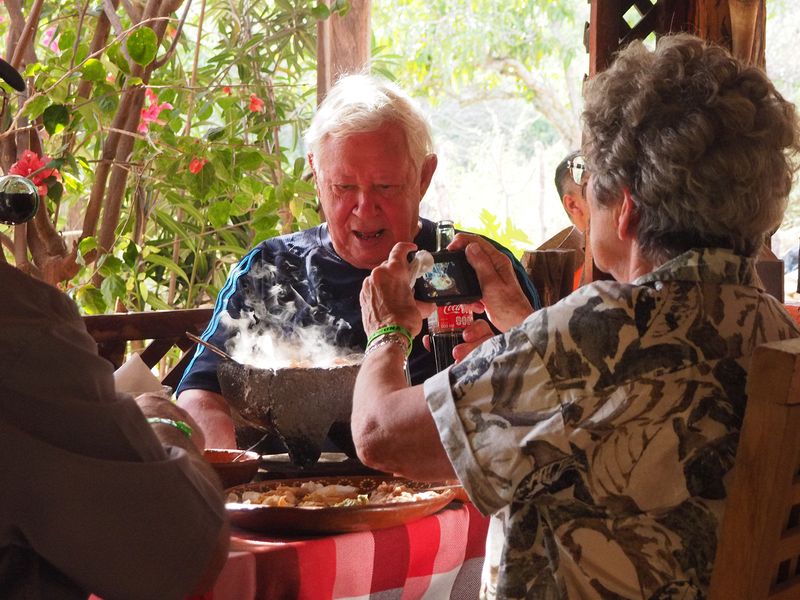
(360,103)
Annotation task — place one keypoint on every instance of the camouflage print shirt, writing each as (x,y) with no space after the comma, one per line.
(600,432)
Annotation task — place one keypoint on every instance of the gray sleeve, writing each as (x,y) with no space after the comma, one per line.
(121,529)
(84,482)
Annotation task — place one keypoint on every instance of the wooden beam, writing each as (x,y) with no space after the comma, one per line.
(748,21)
(712,21)
(343,45)
(605,31)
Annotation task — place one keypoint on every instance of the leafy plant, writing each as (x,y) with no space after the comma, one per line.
(175,131)
(507,233)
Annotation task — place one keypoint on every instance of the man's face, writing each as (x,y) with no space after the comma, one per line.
(575,204)
(370,193)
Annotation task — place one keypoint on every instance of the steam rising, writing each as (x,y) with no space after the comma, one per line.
(277,328)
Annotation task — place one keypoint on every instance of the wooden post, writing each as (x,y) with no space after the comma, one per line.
(748,23)
(343,45)
(605,31)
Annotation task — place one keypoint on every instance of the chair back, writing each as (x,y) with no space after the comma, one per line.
(758,555)
(159,331)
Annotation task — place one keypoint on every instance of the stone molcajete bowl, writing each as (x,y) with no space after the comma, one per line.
(298,404)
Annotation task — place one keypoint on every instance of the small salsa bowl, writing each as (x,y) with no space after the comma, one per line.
(234,467)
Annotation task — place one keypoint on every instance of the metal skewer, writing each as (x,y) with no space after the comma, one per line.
(206,344)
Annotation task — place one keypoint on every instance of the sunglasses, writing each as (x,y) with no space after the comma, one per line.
(577,168)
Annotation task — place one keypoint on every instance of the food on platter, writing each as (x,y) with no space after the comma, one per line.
(315,494)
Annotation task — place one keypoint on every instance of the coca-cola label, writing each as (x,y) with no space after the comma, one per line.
(450,316)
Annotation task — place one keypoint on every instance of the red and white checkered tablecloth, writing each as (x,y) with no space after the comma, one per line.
(437,557)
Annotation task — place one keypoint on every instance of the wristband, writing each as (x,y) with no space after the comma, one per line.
(181,426)
(391,329)
(389,338)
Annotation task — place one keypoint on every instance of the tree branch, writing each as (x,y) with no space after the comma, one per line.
(27,33)
(174,45)
(545,99)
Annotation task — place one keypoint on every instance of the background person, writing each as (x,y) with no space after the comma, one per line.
(371,153)
(570,179)
(599,432)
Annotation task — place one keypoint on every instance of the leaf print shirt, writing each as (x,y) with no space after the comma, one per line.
(601,431)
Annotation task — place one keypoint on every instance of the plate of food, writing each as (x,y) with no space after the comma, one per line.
(322,505)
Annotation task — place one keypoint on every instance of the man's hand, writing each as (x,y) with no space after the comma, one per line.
(387,299)
(213,414)
(474,335)
(158,405)
(503,299)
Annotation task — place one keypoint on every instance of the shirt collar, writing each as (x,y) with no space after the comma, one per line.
(707,265)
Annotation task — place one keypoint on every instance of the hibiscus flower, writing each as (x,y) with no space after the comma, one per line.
(50,39)
(150,114)
(196,165)
(256,104)
(31,165)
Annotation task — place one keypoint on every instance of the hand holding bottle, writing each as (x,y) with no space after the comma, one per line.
(503,299)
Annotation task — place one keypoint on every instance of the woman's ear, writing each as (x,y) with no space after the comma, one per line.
(628,217)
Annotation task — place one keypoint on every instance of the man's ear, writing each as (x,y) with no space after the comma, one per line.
(426,173)
(628,217)
(310,159)
(574,208)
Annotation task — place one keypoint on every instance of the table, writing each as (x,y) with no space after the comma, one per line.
(437,557)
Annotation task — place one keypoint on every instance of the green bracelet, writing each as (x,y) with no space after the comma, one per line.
(389,338)
(181,426)
(392,329)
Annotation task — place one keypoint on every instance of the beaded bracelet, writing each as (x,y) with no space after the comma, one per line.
(181,426)
(391,329)
(389,338)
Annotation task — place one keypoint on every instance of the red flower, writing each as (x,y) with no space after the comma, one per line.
(256,104)
(150,114)
(30,165)
(196,165)
(227,90)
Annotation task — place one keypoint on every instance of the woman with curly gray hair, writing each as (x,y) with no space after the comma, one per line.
(599,432)
(698,140)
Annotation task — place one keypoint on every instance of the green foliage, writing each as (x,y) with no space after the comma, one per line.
(56,118)
(506,233)
(447,46)
(142,45)
(212,170)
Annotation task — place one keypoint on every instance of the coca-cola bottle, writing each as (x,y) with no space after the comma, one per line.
(446,324)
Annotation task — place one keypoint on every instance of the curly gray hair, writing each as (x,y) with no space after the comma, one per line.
(704,143)
(360,103)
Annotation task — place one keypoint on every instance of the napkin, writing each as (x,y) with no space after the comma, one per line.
(135,377)
(419,265)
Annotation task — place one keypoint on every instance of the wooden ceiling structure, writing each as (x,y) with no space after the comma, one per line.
(343,43)
(738,25)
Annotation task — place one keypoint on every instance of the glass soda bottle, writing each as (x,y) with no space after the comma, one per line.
(446,324)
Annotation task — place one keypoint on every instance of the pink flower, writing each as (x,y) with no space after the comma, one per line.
(150,114)
(30,165)
(256,104)
(50,39)
(196,165)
